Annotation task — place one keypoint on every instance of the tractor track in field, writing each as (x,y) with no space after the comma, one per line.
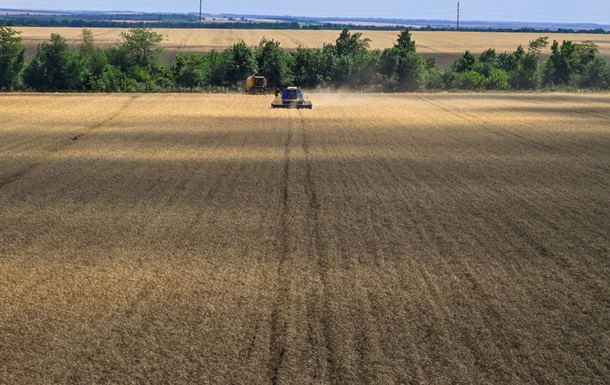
(300,213)
(378,239)
(316,252)
(278,322)
(55,148)
(501,132)
(508,134)
(548,103)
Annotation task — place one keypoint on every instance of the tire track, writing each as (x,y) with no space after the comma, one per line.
(546,102)
(538,145)
(315,252)
(277,342)
(14,177)
(501,132)
(301,244)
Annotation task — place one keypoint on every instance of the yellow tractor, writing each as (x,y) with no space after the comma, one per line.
(257,85)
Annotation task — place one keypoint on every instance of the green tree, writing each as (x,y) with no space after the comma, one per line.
(487,63)
(365,69)
(112,79)
(306,68)
(329,63)
(587,51)
(596,74)
(91,61)
(351,59)
(561,64)
(526,73)
(401,66)
(465,63)
(12,58)
(510,61)
(434,74)
(351,44)
(569,62)
(139,45)
(274,63)
(497,80)
(404,42)
(217,67)
(137,56)
(54,67)
(191,70)
(240,62)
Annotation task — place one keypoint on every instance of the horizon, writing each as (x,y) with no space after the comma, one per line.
(521,11)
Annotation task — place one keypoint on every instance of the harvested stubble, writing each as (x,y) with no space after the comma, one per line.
(445,46)
(376,239)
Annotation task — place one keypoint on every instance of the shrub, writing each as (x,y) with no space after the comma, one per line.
(12,58)
(54,67)
(497,80)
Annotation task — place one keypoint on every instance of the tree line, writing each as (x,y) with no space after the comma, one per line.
(134,65)
(171,20)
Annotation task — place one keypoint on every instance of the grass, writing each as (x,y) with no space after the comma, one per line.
(404,238)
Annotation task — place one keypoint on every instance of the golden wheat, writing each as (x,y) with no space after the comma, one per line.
(422,238)
(445,46)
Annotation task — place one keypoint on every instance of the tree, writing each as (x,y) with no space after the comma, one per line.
(54,67)
(112,79)
(487,63)
(348,44)
(401,66)
(217,67)
(561,65)
(350,60)
(91,61)
(497,80)
(139,45)
(587,51)
(274,63)
(404,42)
(465,63)
(523,68)
(596,74)
(137,57)
(240,62)
(12,57)
(306,68)
(434,74)
(536,46)
(191,70)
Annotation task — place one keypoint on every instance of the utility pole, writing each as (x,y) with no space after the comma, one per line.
(458,16)
(200,12)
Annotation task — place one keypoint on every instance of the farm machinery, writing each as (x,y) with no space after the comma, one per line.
(291,97)
(257,85)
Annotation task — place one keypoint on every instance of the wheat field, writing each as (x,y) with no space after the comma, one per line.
(376,239)
(445,46)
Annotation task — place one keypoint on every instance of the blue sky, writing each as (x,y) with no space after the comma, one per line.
(596,11)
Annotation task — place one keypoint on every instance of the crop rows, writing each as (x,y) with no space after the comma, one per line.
(445,46)
(377,239)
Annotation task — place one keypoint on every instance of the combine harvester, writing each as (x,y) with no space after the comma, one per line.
(257,85)
(291,97)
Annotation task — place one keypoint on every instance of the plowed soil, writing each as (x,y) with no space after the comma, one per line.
(445,46)
(377,239)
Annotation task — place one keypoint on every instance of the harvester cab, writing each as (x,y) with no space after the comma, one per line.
(291,97)
(257,85)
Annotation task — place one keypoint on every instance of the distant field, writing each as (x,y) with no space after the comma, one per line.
(445,46)
(377,239)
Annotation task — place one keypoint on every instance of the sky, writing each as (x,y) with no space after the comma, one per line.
(560,11)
